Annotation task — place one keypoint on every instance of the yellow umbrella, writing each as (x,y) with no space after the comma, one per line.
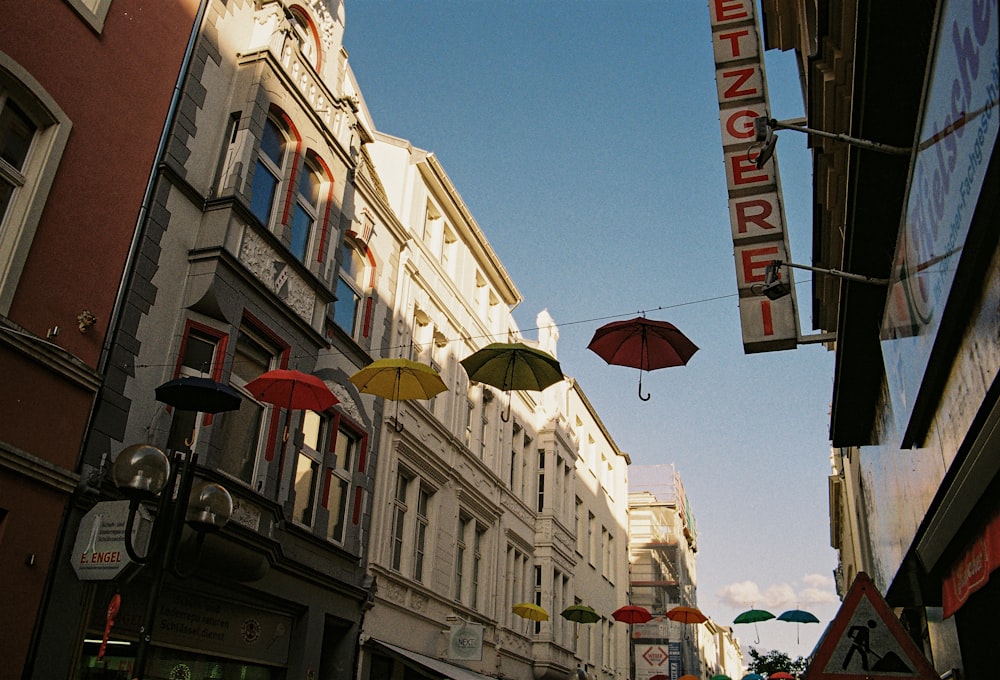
(530,611)
(398,379)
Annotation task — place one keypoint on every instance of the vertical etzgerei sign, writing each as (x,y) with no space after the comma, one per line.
(756,214)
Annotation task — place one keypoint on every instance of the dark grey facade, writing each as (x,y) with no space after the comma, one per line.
(237,270)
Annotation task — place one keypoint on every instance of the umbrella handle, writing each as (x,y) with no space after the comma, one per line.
(505,414)
(397,424)
(648,396)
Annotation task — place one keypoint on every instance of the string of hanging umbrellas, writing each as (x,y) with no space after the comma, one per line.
(629,614)
(640,343)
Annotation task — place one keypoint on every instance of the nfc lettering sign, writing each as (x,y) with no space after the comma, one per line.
(756,212)
(959,127)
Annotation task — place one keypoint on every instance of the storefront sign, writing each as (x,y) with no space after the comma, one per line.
(466,642)
(958,129)
(971,571)
(99,551)
(223,628)
(756,213)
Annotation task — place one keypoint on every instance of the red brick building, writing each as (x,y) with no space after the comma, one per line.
(85,88)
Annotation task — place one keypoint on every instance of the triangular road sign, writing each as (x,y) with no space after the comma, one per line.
(865,641)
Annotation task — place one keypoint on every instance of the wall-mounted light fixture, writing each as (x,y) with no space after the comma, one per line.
(776,287)
(764,136)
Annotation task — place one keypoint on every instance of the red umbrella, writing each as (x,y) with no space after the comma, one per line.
(631,613)
(642,343)
(781,675)
(291,389)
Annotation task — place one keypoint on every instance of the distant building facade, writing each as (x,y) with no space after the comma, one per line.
(482,496)
(663,542)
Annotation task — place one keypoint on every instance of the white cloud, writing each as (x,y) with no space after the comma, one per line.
(818,581)
(810,596)
(741,594)
(816,589)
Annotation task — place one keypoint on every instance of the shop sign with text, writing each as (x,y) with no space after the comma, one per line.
(756,212)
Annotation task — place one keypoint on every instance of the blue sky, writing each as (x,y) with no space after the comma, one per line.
(584,137)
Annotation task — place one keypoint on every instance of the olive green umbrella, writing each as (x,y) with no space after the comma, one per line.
(512,366)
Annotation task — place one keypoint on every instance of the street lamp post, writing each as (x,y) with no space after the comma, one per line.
(145,474)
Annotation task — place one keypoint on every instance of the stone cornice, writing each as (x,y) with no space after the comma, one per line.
(49,355)
(37,469)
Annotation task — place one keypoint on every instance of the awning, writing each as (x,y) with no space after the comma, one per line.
(443,668)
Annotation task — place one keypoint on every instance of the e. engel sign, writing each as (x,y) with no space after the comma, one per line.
(756,214)
(99,550)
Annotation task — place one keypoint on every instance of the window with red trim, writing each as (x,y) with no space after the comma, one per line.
(199,352)
(269,170)
(345,449)
(243,436)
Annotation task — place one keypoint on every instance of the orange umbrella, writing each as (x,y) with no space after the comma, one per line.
(687,615)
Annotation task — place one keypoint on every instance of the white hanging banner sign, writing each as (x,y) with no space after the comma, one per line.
(757,218)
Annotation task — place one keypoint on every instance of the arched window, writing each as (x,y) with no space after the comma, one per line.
(308,43)
(350,289)
(307,198)
(16,133)
(268,172)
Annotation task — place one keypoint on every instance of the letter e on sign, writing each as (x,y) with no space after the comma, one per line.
(752,261)
(729,11)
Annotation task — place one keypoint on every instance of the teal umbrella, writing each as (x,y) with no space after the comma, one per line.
(797,616)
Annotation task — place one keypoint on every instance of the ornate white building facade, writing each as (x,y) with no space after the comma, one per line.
(484,499)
